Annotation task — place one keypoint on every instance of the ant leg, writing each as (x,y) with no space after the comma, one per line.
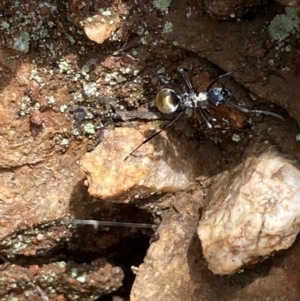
(224,75)
(155,134)
(161,79)
(207,117)
(186,79)
(256,111)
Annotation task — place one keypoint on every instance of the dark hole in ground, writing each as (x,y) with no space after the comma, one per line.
(135,253)
(121,246)
(129,251)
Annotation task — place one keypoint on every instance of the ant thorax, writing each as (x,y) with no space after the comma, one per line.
(196,100)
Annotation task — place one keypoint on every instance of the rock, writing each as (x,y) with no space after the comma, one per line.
(174,270)
(60,278)
(253,211)
(99,30)
(293,3)
(164,275)
(230,9)
(148,170)
(100,21)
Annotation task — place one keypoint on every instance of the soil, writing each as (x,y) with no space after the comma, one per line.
(61,90)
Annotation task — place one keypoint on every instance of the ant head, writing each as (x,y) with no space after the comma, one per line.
(167,101)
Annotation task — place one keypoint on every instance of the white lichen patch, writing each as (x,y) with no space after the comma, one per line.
(90,89)
(257,213)
(89,128)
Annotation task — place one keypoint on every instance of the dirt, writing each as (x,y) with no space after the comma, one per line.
(60,90)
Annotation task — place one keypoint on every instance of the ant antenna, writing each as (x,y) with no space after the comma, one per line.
(209,88)
(154,135)
(256,111)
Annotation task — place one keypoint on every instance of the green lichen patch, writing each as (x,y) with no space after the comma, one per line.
(168,27)
(284,24)
(22,42)
(162,5)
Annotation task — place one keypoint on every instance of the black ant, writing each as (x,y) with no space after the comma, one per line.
(168,101)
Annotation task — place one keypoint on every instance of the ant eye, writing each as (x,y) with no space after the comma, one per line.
(167,101)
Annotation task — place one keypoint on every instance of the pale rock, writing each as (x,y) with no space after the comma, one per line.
(150,169)
(99,30)
(253,211)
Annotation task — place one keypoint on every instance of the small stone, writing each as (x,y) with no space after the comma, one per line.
(34,269)
(81,279)
(98,31)
(40,236)
(37,118)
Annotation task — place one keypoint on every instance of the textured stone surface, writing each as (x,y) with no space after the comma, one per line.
(40,180)
(175,270)
(231,9)
(61,278)
(254,213)
(164,275)
(150,169)
(99,31)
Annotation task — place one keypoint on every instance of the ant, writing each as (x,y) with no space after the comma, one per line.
(168,100)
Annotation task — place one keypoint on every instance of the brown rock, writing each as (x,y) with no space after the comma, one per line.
(230,9)
(164,275)
(100,29)
(146,171)
(71,279)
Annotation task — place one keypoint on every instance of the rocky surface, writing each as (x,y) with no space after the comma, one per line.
(114,174)
(102,24)
(56,279)
(58,89)
(164,275)
(174,271)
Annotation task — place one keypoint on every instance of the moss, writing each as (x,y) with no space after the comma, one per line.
(282,25)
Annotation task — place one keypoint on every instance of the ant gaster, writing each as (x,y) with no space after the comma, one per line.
(168,101)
